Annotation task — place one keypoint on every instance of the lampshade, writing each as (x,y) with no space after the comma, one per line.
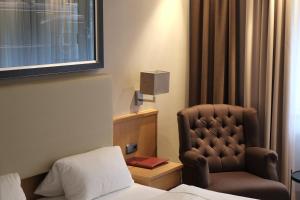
(154,82)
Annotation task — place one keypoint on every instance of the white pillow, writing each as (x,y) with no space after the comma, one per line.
(51,185)
(10,187)
(88,175)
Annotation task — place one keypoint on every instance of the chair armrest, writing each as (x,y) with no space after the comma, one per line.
(262,162)
(195,169)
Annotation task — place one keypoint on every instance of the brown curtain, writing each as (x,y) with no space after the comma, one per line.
(214,53)
(264,73)
(237,56)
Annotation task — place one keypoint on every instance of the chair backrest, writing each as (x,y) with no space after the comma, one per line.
(220,133)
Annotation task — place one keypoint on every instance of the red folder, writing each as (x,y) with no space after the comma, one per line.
(146,162)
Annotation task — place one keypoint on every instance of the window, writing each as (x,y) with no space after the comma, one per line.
(50,36)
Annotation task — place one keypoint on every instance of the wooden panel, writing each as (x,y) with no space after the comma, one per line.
(30,184)
(138,128)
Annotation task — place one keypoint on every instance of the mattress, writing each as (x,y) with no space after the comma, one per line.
(135,192)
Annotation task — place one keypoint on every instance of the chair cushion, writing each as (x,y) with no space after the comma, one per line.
(248,185)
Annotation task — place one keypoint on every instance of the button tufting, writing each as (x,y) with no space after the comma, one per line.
(205,154)
(201,136)
(223,124)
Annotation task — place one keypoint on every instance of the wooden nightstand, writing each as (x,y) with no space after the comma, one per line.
(164,177)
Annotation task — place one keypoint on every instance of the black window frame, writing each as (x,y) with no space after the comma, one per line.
(22,71)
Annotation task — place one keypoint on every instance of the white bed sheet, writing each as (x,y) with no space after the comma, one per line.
(182,192)
(135,192)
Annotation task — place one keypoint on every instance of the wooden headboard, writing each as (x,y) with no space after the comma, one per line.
(44,119)
(137,128)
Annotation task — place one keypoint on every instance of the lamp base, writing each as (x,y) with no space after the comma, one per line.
(138,98)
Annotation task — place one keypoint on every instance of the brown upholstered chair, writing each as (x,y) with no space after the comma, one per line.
(218,149)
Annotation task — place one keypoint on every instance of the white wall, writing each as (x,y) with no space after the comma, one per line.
(143,35)
(146,35)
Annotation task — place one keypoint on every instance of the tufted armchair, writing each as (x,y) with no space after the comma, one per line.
(218,149)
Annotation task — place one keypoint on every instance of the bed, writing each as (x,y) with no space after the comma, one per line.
(62,116)
(182,192)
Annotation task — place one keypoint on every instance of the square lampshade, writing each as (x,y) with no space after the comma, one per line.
(155,82)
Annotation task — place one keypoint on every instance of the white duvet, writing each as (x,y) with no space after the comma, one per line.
(182,192)
(185,192)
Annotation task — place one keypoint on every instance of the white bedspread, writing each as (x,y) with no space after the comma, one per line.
(185,192)
(135,192)
(182,192)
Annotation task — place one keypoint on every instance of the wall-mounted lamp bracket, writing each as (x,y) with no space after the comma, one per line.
(139,99)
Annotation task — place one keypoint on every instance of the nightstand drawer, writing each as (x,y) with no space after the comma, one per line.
(168,181)
(163,177)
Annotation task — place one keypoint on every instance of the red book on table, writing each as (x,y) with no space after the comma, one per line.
(146,162)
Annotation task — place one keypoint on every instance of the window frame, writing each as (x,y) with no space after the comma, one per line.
(58,68)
